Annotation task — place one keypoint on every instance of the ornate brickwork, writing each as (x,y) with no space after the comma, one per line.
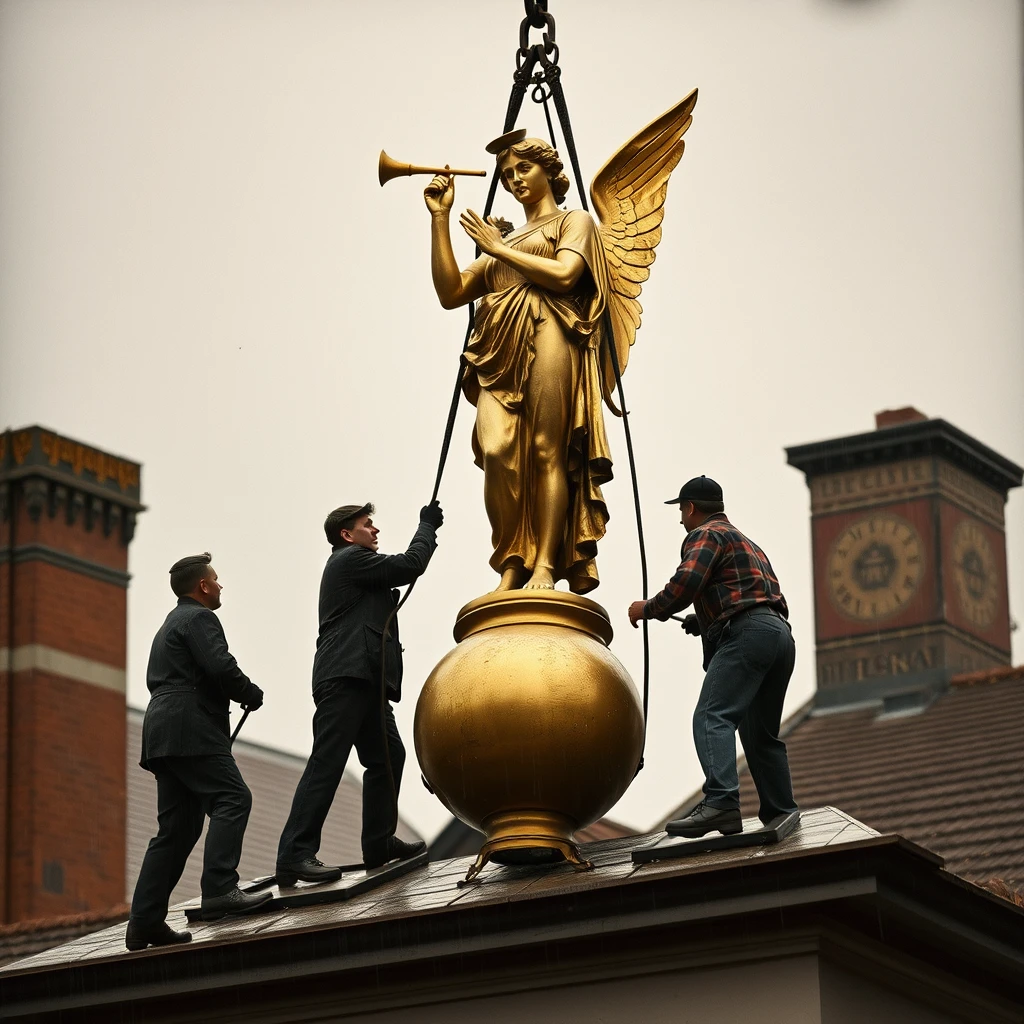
(67,514)
(909,556)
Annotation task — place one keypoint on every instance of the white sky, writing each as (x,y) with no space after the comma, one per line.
(198,270)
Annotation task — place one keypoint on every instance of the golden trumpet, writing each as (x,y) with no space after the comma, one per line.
(388,168)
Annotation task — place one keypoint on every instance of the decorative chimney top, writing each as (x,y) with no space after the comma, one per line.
(909,553)
(894,417)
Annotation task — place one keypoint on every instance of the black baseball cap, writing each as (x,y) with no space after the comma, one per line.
(700,488)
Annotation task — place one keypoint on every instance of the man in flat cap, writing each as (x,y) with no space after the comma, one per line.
(742,619)
(357,634)
(186,744)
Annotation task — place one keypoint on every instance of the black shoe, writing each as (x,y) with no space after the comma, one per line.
(139,936)
(391,848)
(234,901)
(308,870)
(704,819)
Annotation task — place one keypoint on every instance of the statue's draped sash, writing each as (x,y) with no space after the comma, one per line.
(498,359)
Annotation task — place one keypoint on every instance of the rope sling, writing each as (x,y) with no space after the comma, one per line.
(547,85)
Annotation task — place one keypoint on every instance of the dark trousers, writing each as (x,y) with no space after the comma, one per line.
(347,714)
(187,789)
(744,689)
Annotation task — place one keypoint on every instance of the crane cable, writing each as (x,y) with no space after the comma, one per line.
(547,85)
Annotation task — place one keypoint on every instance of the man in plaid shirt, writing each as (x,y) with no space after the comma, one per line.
(741,617)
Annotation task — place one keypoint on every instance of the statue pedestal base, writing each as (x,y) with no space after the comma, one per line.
(529,838)
(530,728)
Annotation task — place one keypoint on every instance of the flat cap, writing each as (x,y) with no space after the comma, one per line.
(700,488)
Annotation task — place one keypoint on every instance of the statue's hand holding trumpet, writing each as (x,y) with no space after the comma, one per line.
(487,234)
(439,196)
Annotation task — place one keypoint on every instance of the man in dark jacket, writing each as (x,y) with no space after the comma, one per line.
(356,603)
(742,619)
(186,743)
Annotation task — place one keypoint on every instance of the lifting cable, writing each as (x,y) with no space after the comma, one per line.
(547,85)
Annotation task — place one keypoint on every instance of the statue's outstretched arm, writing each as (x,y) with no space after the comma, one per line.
(559,275)
(454,288)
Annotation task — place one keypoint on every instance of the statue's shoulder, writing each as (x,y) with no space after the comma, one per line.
(577,222)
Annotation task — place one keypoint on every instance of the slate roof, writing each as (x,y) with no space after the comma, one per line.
(435,888)
(423,927)
(949,776)
(457,839)
(26,938)
(272,776)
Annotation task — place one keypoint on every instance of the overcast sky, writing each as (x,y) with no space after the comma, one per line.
(199,271)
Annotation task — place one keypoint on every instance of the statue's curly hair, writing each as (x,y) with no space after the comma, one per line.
(541,153)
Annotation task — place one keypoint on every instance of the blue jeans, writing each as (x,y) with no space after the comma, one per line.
(744,689)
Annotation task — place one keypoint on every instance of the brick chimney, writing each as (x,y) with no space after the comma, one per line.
(909,557)
(67,516)
(894,417)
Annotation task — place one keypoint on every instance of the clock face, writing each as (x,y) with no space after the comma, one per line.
(874,567)
(975,574)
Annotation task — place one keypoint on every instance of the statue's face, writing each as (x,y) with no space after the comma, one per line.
(527,181)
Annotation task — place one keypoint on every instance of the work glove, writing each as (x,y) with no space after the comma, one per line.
(254,704)
(691,625)
(432,514)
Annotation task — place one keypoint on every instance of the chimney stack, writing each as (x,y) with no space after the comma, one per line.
(67,516)
(909,556)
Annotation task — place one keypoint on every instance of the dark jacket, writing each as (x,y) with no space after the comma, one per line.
(356,598)
(192,678)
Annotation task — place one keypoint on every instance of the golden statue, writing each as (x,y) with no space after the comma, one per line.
(530,728)
(538,362)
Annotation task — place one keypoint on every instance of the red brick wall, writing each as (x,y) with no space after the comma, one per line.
(57,532)
(72,612)
(68,797)
(64,779)
(5,700)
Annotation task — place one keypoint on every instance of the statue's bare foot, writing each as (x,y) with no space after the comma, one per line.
(542,579)
(511,579)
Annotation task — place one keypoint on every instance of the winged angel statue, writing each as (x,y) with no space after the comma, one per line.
(538,363)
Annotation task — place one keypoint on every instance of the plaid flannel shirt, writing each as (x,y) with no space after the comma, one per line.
(722,572)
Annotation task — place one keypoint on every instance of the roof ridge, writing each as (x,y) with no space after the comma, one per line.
(1004,673)
(41,924)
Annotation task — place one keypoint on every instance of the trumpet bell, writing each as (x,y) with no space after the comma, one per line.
(388,168)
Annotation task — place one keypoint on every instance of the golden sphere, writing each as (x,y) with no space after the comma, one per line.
(530,728)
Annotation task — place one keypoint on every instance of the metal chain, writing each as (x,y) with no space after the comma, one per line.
(541,94)
(547,85)
(536,10)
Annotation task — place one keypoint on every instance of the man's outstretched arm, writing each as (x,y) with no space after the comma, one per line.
(379,572)
(680,592)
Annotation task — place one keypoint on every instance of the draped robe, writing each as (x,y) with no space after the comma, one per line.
(498,360)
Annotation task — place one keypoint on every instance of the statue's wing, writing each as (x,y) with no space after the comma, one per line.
(628,194)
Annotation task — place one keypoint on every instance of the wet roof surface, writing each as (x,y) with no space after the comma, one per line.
(950,778)
(434,889)
(272,776)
